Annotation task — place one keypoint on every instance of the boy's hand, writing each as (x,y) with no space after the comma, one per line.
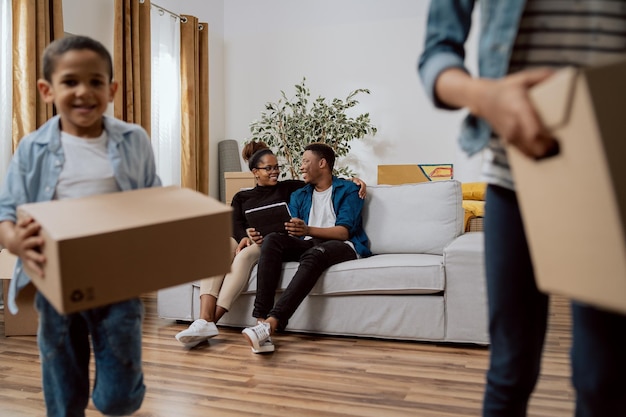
(506,106)
(24,241)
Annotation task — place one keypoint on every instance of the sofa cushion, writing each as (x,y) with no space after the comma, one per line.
(379,274)
(413,218)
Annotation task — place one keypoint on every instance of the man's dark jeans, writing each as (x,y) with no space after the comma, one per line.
(314,255)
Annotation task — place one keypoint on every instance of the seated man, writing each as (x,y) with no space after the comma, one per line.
(326,229)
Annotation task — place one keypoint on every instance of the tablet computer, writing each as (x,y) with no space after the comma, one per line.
(268,219)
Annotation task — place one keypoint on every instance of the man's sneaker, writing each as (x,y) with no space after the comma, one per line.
(197,332)
(265,347)
(257,335)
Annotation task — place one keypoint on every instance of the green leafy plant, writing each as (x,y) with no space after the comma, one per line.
(288,125)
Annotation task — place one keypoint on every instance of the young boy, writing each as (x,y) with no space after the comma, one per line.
(79,152)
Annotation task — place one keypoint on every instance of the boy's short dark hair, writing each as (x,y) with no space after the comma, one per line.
(72,43)
(323,151)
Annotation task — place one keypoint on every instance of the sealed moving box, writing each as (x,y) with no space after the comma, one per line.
(574,204)
(113,247)
(25,322)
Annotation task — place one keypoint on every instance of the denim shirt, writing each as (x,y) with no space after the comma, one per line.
(448,26)
(34,171)
(348,208)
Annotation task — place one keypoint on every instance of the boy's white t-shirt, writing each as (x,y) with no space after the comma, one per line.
(322,213)
(87,169)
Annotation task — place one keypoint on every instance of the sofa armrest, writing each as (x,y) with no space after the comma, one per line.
(466,290)
(176,302)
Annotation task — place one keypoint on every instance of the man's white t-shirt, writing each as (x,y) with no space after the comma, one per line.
(322,212)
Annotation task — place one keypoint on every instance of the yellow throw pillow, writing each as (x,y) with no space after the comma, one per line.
(474,190)
(476,208)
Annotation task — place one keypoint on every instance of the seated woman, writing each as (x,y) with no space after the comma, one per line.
(219,292)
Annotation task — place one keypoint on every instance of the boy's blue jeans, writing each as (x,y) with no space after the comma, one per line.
(518,314)
(64,344)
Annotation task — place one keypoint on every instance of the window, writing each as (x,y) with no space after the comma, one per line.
(6,85)
(165,91)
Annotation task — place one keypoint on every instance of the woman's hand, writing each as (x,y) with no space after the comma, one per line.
(363,189)
(254,235)
(243,243)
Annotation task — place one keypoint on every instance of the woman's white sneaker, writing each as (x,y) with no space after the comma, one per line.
(197,332)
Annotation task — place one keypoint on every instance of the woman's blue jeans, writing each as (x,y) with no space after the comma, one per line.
(518,314)
(64,344)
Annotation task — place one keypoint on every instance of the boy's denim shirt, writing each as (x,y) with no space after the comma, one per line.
(448,26)
(348,208)
(34,171)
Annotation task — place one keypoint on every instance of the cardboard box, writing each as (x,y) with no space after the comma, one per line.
(7,264)
(574,204)
(112,247)
(25,322)
(237,181)
(415,173)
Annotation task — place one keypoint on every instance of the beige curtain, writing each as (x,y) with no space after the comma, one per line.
(194,68)
(132,61)
(29,110)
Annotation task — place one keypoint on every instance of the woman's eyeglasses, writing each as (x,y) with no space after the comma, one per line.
(271,168)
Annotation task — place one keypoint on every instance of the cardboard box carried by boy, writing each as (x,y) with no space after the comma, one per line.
(111,247)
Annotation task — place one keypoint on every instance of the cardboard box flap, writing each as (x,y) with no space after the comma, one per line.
(7,264)
(108,213)
(552,105)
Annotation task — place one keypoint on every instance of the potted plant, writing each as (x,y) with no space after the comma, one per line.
(288,125)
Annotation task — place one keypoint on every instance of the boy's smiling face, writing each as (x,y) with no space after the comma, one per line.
(81,90)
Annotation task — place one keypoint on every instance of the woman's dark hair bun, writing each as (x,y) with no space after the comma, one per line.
(251,148)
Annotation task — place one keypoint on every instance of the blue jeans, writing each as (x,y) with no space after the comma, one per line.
(63,340)
(314,255)
(518,315)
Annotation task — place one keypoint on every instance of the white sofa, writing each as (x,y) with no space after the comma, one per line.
(425,281)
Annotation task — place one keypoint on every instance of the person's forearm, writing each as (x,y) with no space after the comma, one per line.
(457,88)
(328,233)
(7,230)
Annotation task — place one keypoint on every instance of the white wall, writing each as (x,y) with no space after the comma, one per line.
(341,45)
(259,47)
(93,18)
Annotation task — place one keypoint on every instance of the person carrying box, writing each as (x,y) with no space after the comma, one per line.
(78,153)
(521,42)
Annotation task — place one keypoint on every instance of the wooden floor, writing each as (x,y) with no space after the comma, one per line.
(306,376)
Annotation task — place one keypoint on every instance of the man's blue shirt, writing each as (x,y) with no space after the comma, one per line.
(348,208)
